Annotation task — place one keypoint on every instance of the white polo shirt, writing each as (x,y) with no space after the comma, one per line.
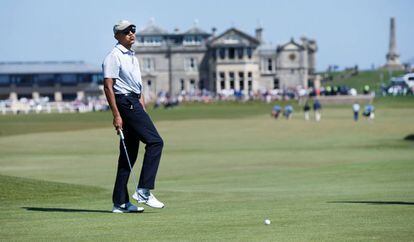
(122,65)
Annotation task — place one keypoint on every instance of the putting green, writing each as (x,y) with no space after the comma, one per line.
(219,177)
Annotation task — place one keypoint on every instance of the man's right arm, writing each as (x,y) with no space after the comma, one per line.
(110,96)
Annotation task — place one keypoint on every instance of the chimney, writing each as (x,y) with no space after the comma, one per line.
(213,31)
(259,34)
(304,41)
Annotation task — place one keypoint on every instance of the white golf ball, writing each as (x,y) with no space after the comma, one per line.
(267,221)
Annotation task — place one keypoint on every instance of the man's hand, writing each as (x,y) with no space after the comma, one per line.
(117,123)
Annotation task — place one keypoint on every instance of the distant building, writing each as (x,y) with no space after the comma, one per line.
(178,62)
(60,81)
(194,60)
(172,61)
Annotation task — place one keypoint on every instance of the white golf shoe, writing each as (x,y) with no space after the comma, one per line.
(146,197)
(127,208)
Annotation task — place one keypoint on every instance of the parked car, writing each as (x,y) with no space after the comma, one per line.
(403,85)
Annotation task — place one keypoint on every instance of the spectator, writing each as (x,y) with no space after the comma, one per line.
(356,108)
(328,91)
(276,111)
(306,109)
(288,111)
(369,111)
(317,109)
(366,89)
(353,92)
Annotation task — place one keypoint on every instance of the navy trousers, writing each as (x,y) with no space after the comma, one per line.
(137,126)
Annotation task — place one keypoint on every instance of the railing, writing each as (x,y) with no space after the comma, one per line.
(53,107)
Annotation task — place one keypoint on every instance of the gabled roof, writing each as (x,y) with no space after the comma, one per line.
(235,32)
(196,31)
(47,67)
(290,43)
(152,29)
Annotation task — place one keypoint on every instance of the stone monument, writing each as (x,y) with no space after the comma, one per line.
(393,58)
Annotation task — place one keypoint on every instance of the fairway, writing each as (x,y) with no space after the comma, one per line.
(225,169)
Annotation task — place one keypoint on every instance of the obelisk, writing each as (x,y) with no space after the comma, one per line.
(393,58)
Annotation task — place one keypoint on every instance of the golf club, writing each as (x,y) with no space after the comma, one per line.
(121,135)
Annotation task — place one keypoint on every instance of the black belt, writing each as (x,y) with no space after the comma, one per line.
(131,94)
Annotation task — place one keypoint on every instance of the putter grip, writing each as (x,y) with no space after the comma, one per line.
(121,134)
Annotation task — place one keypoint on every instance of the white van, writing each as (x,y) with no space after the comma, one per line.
(409,79)
(402,85)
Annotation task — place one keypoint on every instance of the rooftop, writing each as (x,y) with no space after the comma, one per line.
(45,67)
(196,31)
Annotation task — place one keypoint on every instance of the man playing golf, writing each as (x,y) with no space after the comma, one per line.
(123,90)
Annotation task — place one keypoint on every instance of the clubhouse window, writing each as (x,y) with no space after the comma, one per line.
(232,53)
(97,78)
(276,83)
(23,80)
(222,80)
(45,79)
(151,41)
(240,53)
(249,81)
(241,80)
(190,64)
(222,53)
(4,80)
(250,85)
(231,77)
(269,65)
(68,79)
(192,85)
(249,52)
(85,78)
(192,40)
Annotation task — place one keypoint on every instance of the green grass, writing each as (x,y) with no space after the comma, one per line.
(396,102)
(225,168)
(372,78)
(33,123)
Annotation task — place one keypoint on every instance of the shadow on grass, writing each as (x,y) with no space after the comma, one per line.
(73,210)
(377,202)
(65,210)
(409,137)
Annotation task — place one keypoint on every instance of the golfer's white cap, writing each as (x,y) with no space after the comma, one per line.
(121,25)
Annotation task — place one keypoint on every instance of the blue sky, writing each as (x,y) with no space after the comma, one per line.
(347,32)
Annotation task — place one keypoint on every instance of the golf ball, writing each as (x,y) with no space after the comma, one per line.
(267,221)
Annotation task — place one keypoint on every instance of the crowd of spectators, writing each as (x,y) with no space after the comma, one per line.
(165,100)
(44,105)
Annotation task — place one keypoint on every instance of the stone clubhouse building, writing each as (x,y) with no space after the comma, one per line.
(178,62)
